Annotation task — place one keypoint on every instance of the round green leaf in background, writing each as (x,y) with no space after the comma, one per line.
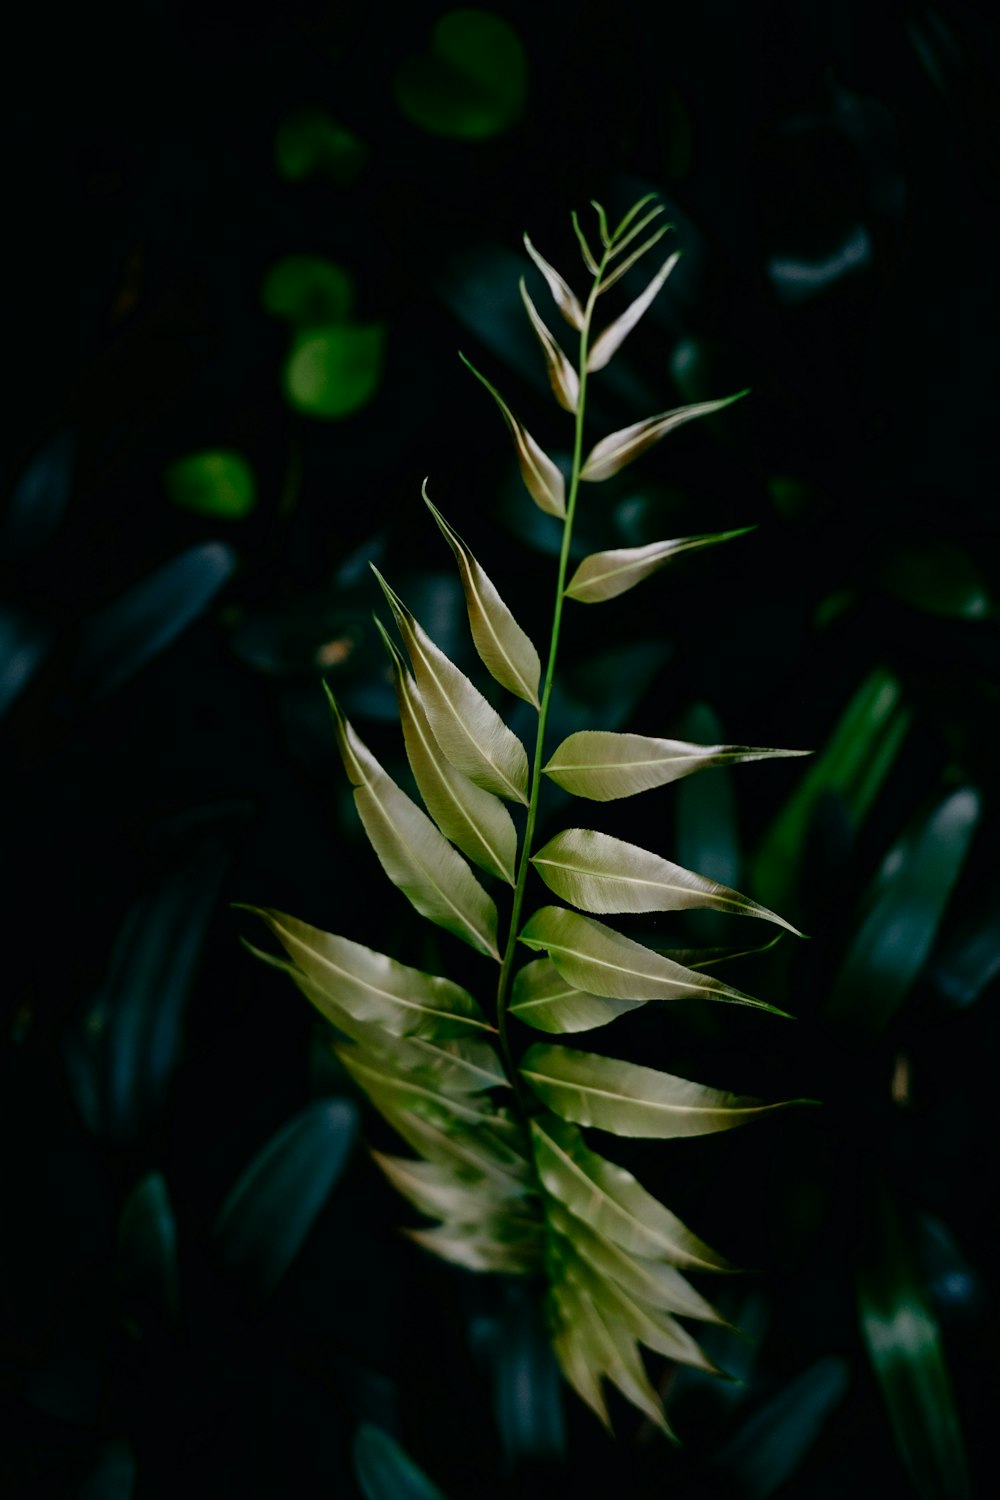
(308,289)
(310,141)
(218,482)
(334,369)
(470,84)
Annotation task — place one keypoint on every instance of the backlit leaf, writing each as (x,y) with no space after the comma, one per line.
(620,448)
(484,1251)
(542,478)
(374,989)
(467,1148)
(542,998)
(563,378)
(442,1192)
(601,961)
(627,1099)
(651,1326)
(588,255)
(602,766)
(603,874)
(633,259)
(565,299)
(469,730)
(611,339)
(505,649)
(623,240)
(611,1348)
(379,1079)
(414,854)
(474,820)
(612,1201)
(605,575)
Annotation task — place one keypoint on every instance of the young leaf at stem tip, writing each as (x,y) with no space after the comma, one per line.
(585,250)
(634,258)
(473,819)
(563,296)
(542,478)
(620,448)
(564,380)
(605,575)
(469,730)
(506,651)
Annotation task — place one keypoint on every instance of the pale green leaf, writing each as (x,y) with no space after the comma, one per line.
(599,873)
(481,1252)
(564,380)
(542,478)
(505,649)
(469,730)
(627,1099)
(475,1149)
(645,1281)
(585,250)
(611,1348)
(463,1065)
(601,961)
(443,1192)
(605,575)
(620,448)
(414,854)
(602,223)
(622,240)
(374,989)
(577,1361)
(630,217)
(612,1201)
(565,299)
(651,1326)
(601,766)
(387,1088)
(475,820)
(611,339)
(544,999)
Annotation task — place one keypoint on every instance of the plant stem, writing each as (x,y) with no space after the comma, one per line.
(524,1098)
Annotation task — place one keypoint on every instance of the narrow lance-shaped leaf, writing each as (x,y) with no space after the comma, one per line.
(620,448)
(637,254)
(611,339)
(474,820)
(651,1326)
(603,874)
(630,217)
(612,1201)
(414,854)
(602,223)
(542,478)
(379,1079)
(563,378)
(565,299)
(601,961)
(469,730)
(627,1099)
(602,766)
(373,988)
(612,1349)
(505,649)
(585,250)
(605,575)
(542,998)
(485,1250)
(442,1192)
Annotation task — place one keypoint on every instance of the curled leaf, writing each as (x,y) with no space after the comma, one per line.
(603,962)
(588,255)
(542,478)
(414,854)
(620,448)
(611,339)
(603,874)
(565,299)
(563,378)
(627,1099)
(473,819)
(469,730)
(506,651)
(601,766)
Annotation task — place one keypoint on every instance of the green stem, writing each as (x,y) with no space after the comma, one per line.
(524,1098)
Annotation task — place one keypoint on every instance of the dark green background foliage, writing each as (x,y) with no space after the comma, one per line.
(204,1285)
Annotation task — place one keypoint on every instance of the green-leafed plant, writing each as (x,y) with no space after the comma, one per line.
(514,1187)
